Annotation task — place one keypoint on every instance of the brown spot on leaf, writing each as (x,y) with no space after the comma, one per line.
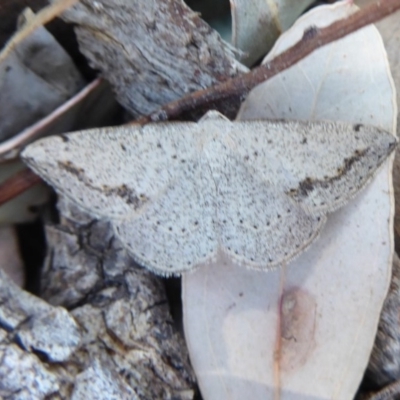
(298,319)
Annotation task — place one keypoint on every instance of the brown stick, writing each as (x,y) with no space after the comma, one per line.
(17,184)
(312,39)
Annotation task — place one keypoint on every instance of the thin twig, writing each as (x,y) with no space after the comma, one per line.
(312,39)
(17,184)
(12,146)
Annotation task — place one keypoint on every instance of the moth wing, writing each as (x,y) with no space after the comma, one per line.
(176,232)
(114,172)
(320,165)
(261,227)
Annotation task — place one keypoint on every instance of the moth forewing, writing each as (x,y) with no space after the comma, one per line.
(179,194)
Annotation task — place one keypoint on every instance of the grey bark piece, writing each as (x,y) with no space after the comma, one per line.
(122,311)
(102,382)
(22,373)
(117,341)
(18,305)
(34,79)
(152,52)
(23,376)
(79,268)
(53,333)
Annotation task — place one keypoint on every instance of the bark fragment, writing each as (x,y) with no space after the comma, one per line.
(151,52)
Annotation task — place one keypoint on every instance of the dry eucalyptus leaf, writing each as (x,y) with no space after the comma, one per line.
(180,194)
(152,52)
(305,331)
(35,78)
(258,23)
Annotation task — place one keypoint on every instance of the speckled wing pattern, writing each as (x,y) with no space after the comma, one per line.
(177,194)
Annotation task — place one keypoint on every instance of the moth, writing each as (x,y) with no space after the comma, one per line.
(180,194)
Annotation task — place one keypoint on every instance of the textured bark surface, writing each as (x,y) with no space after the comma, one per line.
(117,341)
(152,52)
(35,340)
(122,310)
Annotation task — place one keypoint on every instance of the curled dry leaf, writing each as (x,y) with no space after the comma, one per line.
(307,329)
(256,24)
